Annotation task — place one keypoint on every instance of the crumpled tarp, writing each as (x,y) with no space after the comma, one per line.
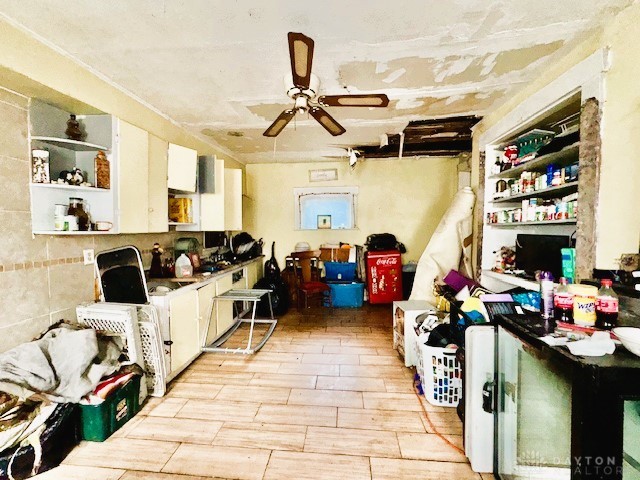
(65,364)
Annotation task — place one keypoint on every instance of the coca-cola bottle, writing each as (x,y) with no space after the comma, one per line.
(563,302)
(606,306)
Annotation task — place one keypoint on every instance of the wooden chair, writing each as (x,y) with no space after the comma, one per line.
(312,288)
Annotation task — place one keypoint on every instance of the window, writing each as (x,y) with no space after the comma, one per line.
(325,208)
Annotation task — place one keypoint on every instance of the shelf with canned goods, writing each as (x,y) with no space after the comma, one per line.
(568,221)
(536,210)
(549,192)
(565,156)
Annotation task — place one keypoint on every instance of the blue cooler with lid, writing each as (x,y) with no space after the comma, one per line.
(340,271)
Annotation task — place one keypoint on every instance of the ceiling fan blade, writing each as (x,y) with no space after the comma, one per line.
(276,127)
(364,100)
(301,54)
(327,121)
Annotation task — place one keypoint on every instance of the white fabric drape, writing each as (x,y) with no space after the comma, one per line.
(449,247)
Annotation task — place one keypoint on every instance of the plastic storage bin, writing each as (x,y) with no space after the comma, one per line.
(343,271)
(440,375)
(100,421)
(348,295)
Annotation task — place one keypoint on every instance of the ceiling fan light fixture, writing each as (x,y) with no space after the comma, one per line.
(302,104)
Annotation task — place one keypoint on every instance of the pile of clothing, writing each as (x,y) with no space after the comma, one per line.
(41,383)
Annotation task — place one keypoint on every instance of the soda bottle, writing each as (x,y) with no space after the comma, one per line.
(606,306)
(563,302)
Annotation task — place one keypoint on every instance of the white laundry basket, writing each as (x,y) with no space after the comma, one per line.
(138,324)
(440,375)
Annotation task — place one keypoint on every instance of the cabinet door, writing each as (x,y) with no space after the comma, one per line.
(233,199)
(183,318)
(212,205)
(182,168)
(224,309)
(252,273)
(133,174)
(158,206)
(207,315)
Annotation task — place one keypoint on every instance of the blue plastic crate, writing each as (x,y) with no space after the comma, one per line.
(343,271)
(348,295)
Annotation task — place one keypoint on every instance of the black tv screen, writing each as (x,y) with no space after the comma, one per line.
(541,252)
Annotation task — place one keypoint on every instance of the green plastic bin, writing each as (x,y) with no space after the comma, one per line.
(100,421)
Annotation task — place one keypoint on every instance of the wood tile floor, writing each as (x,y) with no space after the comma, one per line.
(326,398)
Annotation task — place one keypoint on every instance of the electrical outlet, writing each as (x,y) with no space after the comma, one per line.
(88,256)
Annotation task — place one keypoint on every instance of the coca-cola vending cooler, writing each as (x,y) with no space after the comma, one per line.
(384,276)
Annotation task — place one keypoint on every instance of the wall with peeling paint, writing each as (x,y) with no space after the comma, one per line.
(406,197)
(618,218)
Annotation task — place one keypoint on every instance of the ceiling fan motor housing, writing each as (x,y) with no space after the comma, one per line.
(293,91)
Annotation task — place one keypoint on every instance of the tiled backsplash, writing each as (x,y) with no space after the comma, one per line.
(146,255)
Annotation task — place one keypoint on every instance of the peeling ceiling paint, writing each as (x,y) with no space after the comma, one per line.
(217,66)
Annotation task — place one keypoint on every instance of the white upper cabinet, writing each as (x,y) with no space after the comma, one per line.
(158,206)
(233,199)
(212,205)
(182,168)
(133,178)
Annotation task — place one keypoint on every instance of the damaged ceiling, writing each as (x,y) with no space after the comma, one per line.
(217,67)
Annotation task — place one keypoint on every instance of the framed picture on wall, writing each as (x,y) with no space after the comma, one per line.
(324,222)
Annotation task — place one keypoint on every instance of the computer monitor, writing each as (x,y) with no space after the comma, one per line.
(541,252)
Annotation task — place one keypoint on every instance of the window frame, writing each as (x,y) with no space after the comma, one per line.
(300,192)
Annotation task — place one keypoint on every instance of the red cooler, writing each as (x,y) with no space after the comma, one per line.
(384,276)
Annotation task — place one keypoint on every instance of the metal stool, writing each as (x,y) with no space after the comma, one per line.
(253,295)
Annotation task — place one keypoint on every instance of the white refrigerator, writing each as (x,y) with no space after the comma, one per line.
(478,373)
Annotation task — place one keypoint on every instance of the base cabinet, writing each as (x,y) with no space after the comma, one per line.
(224,310)
(207,324)
(189,314)
(183,321)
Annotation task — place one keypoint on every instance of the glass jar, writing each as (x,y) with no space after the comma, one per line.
(76,208)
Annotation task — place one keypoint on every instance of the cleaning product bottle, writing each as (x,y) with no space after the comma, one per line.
(183,267)
(546,295)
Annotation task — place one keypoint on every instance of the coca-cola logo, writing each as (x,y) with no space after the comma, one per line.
(388,261)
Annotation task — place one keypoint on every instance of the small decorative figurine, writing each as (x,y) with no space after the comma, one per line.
(77,176)
(73,131)
(65,177)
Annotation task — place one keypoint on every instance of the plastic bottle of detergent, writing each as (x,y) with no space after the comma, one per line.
(183,267)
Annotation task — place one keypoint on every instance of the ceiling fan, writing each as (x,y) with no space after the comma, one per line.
(302,87)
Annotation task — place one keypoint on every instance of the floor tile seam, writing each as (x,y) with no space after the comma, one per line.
(266,467)
(179,444)
(319,450)
(375,428)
